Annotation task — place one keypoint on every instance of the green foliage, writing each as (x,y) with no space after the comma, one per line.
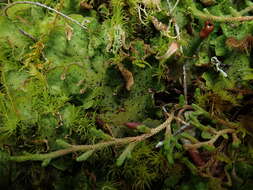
(143,168)
(61,86)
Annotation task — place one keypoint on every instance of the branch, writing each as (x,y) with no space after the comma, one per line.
(210,142)
(75,148)
(44,6)
(204,16)
(28,35)
(246,10)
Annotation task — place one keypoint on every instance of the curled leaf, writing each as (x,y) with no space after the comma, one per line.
(174,46)
(244,44)
(208,2)
(132,125)
(127,75)
(86,6)
(159,25)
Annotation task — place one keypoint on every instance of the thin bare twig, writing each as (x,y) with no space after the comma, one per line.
(182,121)
(27,35)
(44,6)
(185,84)
(172,8)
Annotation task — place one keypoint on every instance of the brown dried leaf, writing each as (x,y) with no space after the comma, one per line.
(159,25)
(85,5)
(174,46)
(127,75)
(208,2)
(245,44)
(132,125)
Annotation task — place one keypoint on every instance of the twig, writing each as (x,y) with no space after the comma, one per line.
(246,10)
(204,16)
(75,148)
(226,123)
(139,14)
(27,35)
(172,8)
(210,142)
(168,127)
(185,84)
(44,6)
(181,121)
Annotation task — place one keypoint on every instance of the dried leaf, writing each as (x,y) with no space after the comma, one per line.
(242,45)
(132,125)
(127,75)
(174,46)
(85,5)
(159,25)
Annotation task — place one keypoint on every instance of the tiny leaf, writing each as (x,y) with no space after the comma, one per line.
(84,156)
(209,147)
(100,134)
(206,135)
(125,154)
(46,162)
(143,129)
(62,143)
(88,104)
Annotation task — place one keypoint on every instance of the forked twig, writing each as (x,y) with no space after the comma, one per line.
(98,146)
(211,141)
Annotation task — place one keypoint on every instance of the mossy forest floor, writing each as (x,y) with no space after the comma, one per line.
(126,94)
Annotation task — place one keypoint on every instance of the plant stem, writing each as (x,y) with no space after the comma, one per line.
(246,10)
(204,16)
(44,6)
(210,142)
(75,148)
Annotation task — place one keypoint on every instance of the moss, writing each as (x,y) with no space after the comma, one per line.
(60,81)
